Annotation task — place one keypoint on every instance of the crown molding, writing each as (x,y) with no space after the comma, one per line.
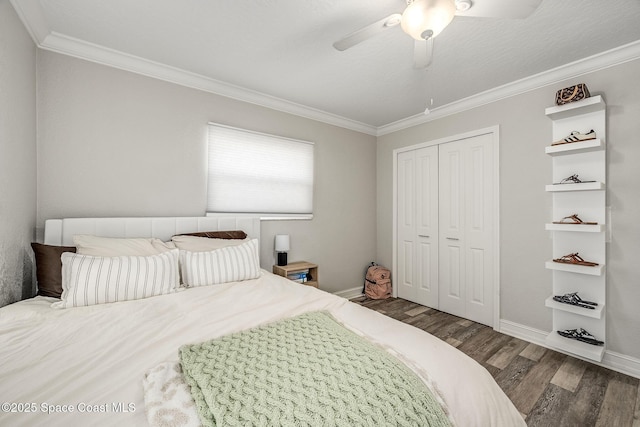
(66,45)
(33,18)
(610,58)
(32,15)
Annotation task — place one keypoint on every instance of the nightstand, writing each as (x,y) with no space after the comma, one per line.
(302,272)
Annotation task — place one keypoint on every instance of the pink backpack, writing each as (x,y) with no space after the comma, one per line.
(377,282)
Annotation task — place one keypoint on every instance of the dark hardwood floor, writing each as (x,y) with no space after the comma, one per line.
(547,387)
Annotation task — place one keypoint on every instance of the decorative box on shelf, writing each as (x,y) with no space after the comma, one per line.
(302,272)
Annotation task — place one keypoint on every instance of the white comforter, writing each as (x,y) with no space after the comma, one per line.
(85,366)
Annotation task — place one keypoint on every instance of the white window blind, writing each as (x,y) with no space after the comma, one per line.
(251,172)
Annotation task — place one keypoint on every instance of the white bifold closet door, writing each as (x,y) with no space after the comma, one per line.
(445,225)
(418,226)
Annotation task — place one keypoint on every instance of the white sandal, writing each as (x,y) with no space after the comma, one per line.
(577,137)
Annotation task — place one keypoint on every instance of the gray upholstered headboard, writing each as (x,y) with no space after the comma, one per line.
(61,231)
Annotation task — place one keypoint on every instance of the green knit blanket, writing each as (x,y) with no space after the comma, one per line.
(307,370)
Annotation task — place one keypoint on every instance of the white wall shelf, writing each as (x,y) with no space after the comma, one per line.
(582,186)
(595,313)
(575,147)
(579,348)
(588,199)
(596,270)
(580,228)
(588,105)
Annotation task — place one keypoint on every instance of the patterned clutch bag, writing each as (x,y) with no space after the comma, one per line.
(572,93)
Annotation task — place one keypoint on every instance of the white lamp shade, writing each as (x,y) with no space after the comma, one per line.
(282,242)
(427,18)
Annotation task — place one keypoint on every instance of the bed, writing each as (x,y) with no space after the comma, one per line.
(91,364)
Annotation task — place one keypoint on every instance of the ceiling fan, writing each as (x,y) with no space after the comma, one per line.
(425,19)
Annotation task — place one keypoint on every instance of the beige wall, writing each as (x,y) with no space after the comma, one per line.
(525,206)
(17,156)
(114,143)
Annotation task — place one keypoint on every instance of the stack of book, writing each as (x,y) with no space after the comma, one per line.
(299,276)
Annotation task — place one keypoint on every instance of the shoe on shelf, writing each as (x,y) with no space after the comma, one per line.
(576,259)
(574,220)
(580,335)
(577,137)
(574,299)
(573,179)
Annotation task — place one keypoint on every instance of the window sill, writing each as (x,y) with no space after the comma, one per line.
(263,216)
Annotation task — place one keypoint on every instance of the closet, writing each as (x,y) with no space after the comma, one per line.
(445,223)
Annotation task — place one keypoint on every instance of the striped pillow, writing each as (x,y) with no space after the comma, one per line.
(230,264)
(89,280)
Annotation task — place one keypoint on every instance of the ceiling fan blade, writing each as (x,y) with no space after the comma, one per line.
(517,9)
(422,53)
(367,32)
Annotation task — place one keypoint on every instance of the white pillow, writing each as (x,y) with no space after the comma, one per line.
(230,264)
(204,244)
(115,246)
(90,280)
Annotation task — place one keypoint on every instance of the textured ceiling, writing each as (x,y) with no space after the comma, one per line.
(283,48)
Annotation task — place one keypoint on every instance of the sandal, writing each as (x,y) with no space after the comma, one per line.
(580,335)
(574,299)
(573,179)
(577,137)
(580,300)
(573,219)
(575,259)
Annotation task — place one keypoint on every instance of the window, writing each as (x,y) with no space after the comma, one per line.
(251,172)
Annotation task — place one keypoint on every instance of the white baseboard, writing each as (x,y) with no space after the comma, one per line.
(621,363)
(615,361)
(526,333)
(350,293)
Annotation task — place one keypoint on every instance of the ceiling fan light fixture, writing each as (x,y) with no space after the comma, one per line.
(427,18)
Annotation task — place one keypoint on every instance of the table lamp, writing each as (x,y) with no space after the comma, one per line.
(282,247)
